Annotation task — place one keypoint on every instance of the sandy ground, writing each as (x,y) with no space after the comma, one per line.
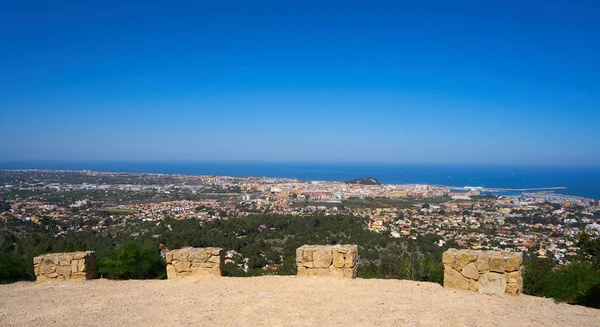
(275,301)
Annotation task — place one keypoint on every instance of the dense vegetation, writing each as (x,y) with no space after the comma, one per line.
(576,283)
(265,240)
(267,244)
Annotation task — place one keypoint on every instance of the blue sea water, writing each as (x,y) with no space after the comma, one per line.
(579,180)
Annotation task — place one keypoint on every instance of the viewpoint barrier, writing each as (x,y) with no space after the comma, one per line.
(489,272)
(195,262)
(63,266)
(327,260)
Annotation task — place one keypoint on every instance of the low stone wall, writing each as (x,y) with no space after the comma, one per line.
(62,266)
(490,272)
(327,260)
(195,261)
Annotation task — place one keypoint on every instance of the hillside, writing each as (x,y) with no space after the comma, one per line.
(271,300)
(363,181)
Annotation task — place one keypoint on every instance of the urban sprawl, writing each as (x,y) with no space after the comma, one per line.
(543,223)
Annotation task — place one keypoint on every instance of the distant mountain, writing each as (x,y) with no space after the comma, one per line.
(363,181)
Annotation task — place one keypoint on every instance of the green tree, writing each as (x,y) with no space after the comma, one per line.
(134,260)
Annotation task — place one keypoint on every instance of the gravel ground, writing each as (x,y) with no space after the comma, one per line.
(277,301)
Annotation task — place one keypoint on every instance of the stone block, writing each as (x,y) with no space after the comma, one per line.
(454,279)
(327,260)
(64,271)
(489,272)
(448,257)
(322,258)
(514,261)
(65,266)
(470,271)
(65,260)
(492,283)
(195,261)
(463,258)
(483,262)
(497,263)
(338,259)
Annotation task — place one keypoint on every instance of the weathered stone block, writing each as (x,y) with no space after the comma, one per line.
(322,258)
(492,283)
(470,271)
(454,279)
(483,262)
(64,271)
(195,262)
(448,257)
(514,261)
(490,272)
(70,265)
(338,259)
(497,263)
(327,260)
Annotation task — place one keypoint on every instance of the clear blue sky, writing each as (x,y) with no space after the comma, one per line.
(416,81)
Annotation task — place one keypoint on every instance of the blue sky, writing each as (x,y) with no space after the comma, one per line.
(416,81)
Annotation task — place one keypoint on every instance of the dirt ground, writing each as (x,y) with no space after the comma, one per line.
(274,301)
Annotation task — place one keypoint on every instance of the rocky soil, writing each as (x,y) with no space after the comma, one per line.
(275,301)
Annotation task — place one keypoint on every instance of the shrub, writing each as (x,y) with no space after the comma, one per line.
(577,283)
(13,269)
(134,260)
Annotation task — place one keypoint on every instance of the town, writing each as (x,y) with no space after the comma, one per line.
(545,224)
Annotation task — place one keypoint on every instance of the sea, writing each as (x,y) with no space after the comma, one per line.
(583,181)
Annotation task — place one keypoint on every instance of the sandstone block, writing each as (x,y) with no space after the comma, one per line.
(497,263)
(483,262)
(327,260)
(492,283)
(37,260)
(64,270)
(308,264)
(453,279)
(461,259)
(74,266)
(214,259)
(171,272)
(64,260)
(180,255)
(302,271)
(195,261)
(307,255)
(470,271)
(322,258)
(82,254)
(47,267)
(338,259)
(514,283)
(448,257)
(198,255)
(182,266)
(514,261)
(299,254)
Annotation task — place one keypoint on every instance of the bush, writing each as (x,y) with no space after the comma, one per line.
(14,269)
(577,283)
(134,260)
